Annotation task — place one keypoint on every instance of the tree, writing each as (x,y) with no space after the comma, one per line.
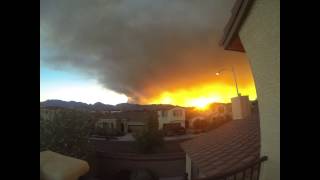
(143,174)
(149,140)
(67,133)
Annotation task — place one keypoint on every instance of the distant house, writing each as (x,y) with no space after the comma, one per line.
(194,119)
(136,126)
(221,110)
(171,117)
(217,110)
(234,145)
(133,121)
(139,120)
(112,125)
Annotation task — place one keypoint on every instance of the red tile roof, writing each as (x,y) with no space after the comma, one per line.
(233,145)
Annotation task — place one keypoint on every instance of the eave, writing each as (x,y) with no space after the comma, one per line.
(230,39)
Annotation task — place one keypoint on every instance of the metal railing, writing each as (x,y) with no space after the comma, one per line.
(249,172)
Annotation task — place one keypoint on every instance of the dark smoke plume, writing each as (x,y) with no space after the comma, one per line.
(138,47)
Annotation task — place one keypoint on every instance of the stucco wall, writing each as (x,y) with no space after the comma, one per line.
(241,107)
(260,35)
(170,118)
(188,166)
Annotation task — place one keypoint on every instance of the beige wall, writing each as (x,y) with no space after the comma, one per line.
(241,107)
(114,122)
(170,118)
(188,166)
(260,35)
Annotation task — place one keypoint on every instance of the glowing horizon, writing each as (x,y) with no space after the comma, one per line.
(202,96)
(74,87)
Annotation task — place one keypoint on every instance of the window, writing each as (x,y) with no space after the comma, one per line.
(104,125)
(164,113)
(221,109)
(177,113)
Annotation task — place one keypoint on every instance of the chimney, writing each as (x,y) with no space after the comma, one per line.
(241,108)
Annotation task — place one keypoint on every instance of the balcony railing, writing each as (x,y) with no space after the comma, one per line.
(249,172)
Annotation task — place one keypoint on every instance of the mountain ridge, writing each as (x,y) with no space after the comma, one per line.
(98,106)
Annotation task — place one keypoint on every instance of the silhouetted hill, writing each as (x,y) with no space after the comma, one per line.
(103,107)
(64,104)
(98,106)
(76,105)
(128,107)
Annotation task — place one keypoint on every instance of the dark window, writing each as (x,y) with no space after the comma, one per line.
(164,113)
(221,109)
(172,126)
(104,125)
(122,127)
(177,113)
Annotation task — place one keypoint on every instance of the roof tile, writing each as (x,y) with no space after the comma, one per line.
(232,145)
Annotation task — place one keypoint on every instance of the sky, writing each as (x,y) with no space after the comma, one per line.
(73,86)
(142,51)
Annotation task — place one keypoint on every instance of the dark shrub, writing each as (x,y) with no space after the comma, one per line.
(149,140)
(123,175)
(67,133)
(143,174)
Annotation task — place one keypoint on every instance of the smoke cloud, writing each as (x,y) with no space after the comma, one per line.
(139,47)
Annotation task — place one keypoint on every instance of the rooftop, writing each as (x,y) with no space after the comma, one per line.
(231,146)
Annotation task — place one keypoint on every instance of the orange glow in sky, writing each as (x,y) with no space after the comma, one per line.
(202,96)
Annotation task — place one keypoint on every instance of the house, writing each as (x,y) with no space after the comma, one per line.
(133,121)
(112,125)
(234,145)
(194,119)
(136,126)
(139,120)
(171,117)
(216,110)
(220,110)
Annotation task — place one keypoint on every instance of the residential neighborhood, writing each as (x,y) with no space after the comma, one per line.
(160,90)
(172,121)
(186,132)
